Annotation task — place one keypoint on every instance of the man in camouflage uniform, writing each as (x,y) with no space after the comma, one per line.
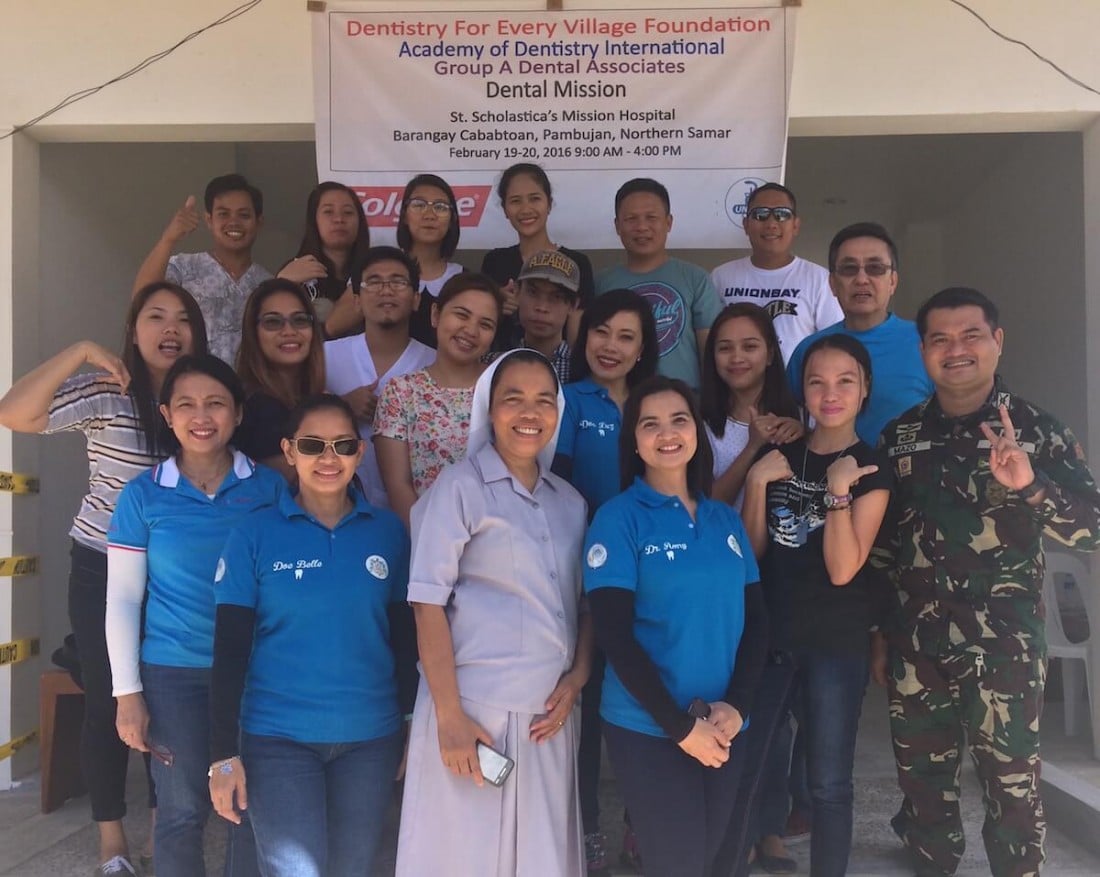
(981,475)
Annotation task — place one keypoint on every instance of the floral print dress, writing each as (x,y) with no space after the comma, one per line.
(434,421)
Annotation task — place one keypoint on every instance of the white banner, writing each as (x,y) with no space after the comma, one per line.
(695,98)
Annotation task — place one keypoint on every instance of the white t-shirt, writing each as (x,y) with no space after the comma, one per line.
(727,449)
(349,366)
(797,296)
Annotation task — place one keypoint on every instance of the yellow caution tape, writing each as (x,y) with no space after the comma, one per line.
(13,482)
(19,565)
(19,650)
(7,750)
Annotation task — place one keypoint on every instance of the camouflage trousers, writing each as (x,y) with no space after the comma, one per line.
(937,706)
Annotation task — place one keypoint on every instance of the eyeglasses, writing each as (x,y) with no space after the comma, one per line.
(871,269)
(763,214)
(276,322)
(377,284)
(419,205)
(314,447)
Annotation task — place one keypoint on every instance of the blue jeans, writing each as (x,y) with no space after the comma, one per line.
(830,693)
(318,808)
(178,700)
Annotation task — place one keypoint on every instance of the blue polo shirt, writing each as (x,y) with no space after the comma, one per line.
(322,669)
(182,531)
(898,377)
(589,436)
(688,579)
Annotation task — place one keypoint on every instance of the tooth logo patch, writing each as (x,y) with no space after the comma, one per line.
(734,545)
(219,573)
(597,556)
(377,566)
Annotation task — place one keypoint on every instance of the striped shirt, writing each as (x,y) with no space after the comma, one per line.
(94,405)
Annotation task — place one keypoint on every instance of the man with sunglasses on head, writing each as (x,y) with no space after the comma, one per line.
(386,283)
(793,291)
(863,274)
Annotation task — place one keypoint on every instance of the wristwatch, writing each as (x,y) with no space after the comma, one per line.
(833,502)
(699,709)
(225,766)
(1039,483)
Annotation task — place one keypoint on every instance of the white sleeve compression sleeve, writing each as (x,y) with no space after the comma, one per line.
(126,580)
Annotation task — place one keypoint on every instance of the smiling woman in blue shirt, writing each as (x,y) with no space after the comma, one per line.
(677,606)
(162,549)
(316,748)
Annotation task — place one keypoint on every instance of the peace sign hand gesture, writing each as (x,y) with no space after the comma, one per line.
(1008,462)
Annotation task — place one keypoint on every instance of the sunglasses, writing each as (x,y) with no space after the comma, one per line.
(314,447)
(276,322)
(871,269)
(763,214)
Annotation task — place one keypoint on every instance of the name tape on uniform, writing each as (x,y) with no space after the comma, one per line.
(19,565)
(18,650)
(13,482)
(7,750)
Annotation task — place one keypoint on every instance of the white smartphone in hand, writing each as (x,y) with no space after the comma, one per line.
(495,766)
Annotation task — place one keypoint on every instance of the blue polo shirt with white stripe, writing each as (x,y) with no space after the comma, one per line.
(322,668)
(182,531)
(688,578)
(590,427)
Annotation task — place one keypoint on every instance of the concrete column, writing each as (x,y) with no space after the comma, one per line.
(20,611)
(1091,187)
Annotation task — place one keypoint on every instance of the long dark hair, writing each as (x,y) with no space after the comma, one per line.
(449,243)
(200,364)
(141,392)
(253,368)
(700,467)
(602,309)
(311,239)
(715,394)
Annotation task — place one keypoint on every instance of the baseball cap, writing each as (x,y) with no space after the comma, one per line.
(554,266)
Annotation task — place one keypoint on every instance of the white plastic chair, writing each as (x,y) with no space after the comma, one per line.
(1058,644)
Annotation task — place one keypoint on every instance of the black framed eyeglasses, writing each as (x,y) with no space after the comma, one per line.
(314,447)
(419,205)
(377,284)
(871,269)
(276,322)
(763,214)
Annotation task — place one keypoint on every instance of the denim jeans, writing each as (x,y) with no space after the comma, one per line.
(318,808)
(178,700)
(769,712)
(830,693)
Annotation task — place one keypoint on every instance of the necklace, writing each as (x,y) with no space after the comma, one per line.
(807,491)
(203,483)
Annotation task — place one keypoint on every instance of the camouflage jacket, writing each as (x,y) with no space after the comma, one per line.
(963,552)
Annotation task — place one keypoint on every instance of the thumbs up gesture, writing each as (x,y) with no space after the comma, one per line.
(183,222)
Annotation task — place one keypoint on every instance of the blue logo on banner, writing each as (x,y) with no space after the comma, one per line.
(737,198)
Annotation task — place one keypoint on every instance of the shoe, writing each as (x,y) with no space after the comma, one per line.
(595,854)
(631,856)
(798,826)
(119,866)
(776,864)
(900,822)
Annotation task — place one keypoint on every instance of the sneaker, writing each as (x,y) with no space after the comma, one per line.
(631,856)
(119,866)
(798,826)
(595,854)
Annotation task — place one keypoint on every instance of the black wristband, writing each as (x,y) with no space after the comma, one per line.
(1038,484)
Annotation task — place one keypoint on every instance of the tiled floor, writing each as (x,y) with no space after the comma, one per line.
(63,843)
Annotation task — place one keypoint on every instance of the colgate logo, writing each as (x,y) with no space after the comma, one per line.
(382,204)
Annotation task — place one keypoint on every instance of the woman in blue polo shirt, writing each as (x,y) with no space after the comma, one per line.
(616,349)
(320,574)
(676,602)
(162,549)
